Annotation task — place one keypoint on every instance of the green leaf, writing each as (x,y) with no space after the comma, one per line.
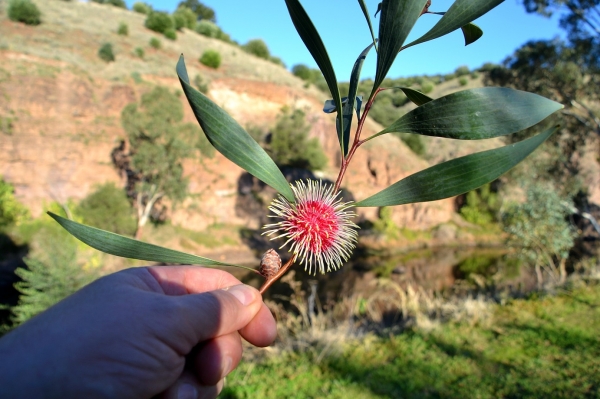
(348,110)
(230,139)
(457,176)
(309,35)
(119,245)
(415,96)
(471,32)
(363,7)
(475,114)
(460,14)
(397,20)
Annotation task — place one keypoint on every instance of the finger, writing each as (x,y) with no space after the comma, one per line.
(262,330)
(181,280)
(187,386)
(217,358)
(211,314)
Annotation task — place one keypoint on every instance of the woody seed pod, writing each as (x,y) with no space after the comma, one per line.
(269,264)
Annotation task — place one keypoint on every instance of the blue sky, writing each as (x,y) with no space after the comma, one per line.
(345,33)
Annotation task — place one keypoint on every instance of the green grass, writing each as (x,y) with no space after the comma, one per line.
(536,348)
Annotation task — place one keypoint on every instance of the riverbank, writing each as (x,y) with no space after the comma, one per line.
(542,346)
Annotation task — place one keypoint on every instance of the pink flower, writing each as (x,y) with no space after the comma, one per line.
(318,226)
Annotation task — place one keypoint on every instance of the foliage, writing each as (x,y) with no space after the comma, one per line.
(159,21)
(201,84)
(540,229)
(463,81)
(24,11)
(106,52)
(53,272)
(159,142)
(155,43)
(123,29)
(183,17)
(108,208)
(414,142)
(462,71)
(290,144)
(258,48)
(481,206)
(139,52)
(385,225)
(11,211)
(170,34)
(310,75)
(116,3)
(277,60)
(203,12)
(539,347)
(211,58)
(142,8)
(208,29)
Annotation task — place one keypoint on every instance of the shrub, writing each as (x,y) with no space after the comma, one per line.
(142,8)
(11,211)
(414,142)
(302,71)
(201,84)
(277,60)
(202,11)
(463,81)
(155,43)
(427,86)
(123,29)
(481,206)
(116,3)
(139,52)
(108,208)
(290,144)
(258,48)
(184,18)
(170,34)
(462,71)
(159,21)
(211,59)
(207,28)
(24,11)
(106,52)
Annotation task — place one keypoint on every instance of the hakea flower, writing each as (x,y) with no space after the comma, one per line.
(318,226)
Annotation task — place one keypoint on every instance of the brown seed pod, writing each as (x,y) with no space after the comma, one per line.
(269,264)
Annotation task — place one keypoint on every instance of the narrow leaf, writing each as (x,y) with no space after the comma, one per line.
(348,109)
(457,176)
(119,245)
(460,14)
(363,7)
(471,32)
(415,96)
(397,20)
(475,114)
(230,139)
(309,35)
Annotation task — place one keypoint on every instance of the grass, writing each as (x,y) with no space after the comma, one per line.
(539,347)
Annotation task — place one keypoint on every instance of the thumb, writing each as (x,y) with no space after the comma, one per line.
(219,312)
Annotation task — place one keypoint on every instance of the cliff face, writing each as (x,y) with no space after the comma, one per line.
(64,106)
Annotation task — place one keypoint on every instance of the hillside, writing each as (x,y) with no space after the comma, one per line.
(64,103)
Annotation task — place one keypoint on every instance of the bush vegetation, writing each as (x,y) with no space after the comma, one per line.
(482,206)
(170,34)
(258,48)
(211,58)
(139,52)
(11,211)
(108,208)
(155,43)
(123,29)
(142,8)
(106,52)
(116,3)
(290,145)
(414,142)
(202,11)
(24,11)
(159,21)
(183,17)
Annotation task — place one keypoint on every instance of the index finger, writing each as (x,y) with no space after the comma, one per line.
(182,280)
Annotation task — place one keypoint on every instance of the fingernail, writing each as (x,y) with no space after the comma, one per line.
(243,293)
(187,391)
(227,367)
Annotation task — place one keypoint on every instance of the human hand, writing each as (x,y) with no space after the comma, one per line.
(136,334)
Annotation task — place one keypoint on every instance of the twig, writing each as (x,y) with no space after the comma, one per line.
(270,280)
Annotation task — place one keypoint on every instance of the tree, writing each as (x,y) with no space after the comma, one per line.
(202,11)
(290,145)
(158,144)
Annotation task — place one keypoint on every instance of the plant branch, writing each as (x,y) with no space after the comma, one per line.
(270,280)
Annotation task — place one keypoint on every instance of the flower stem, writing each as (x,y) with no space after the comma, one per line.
(269,281)
(357,142)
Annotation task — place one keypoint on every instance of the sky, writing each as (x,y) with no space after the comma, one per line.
(345,33)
